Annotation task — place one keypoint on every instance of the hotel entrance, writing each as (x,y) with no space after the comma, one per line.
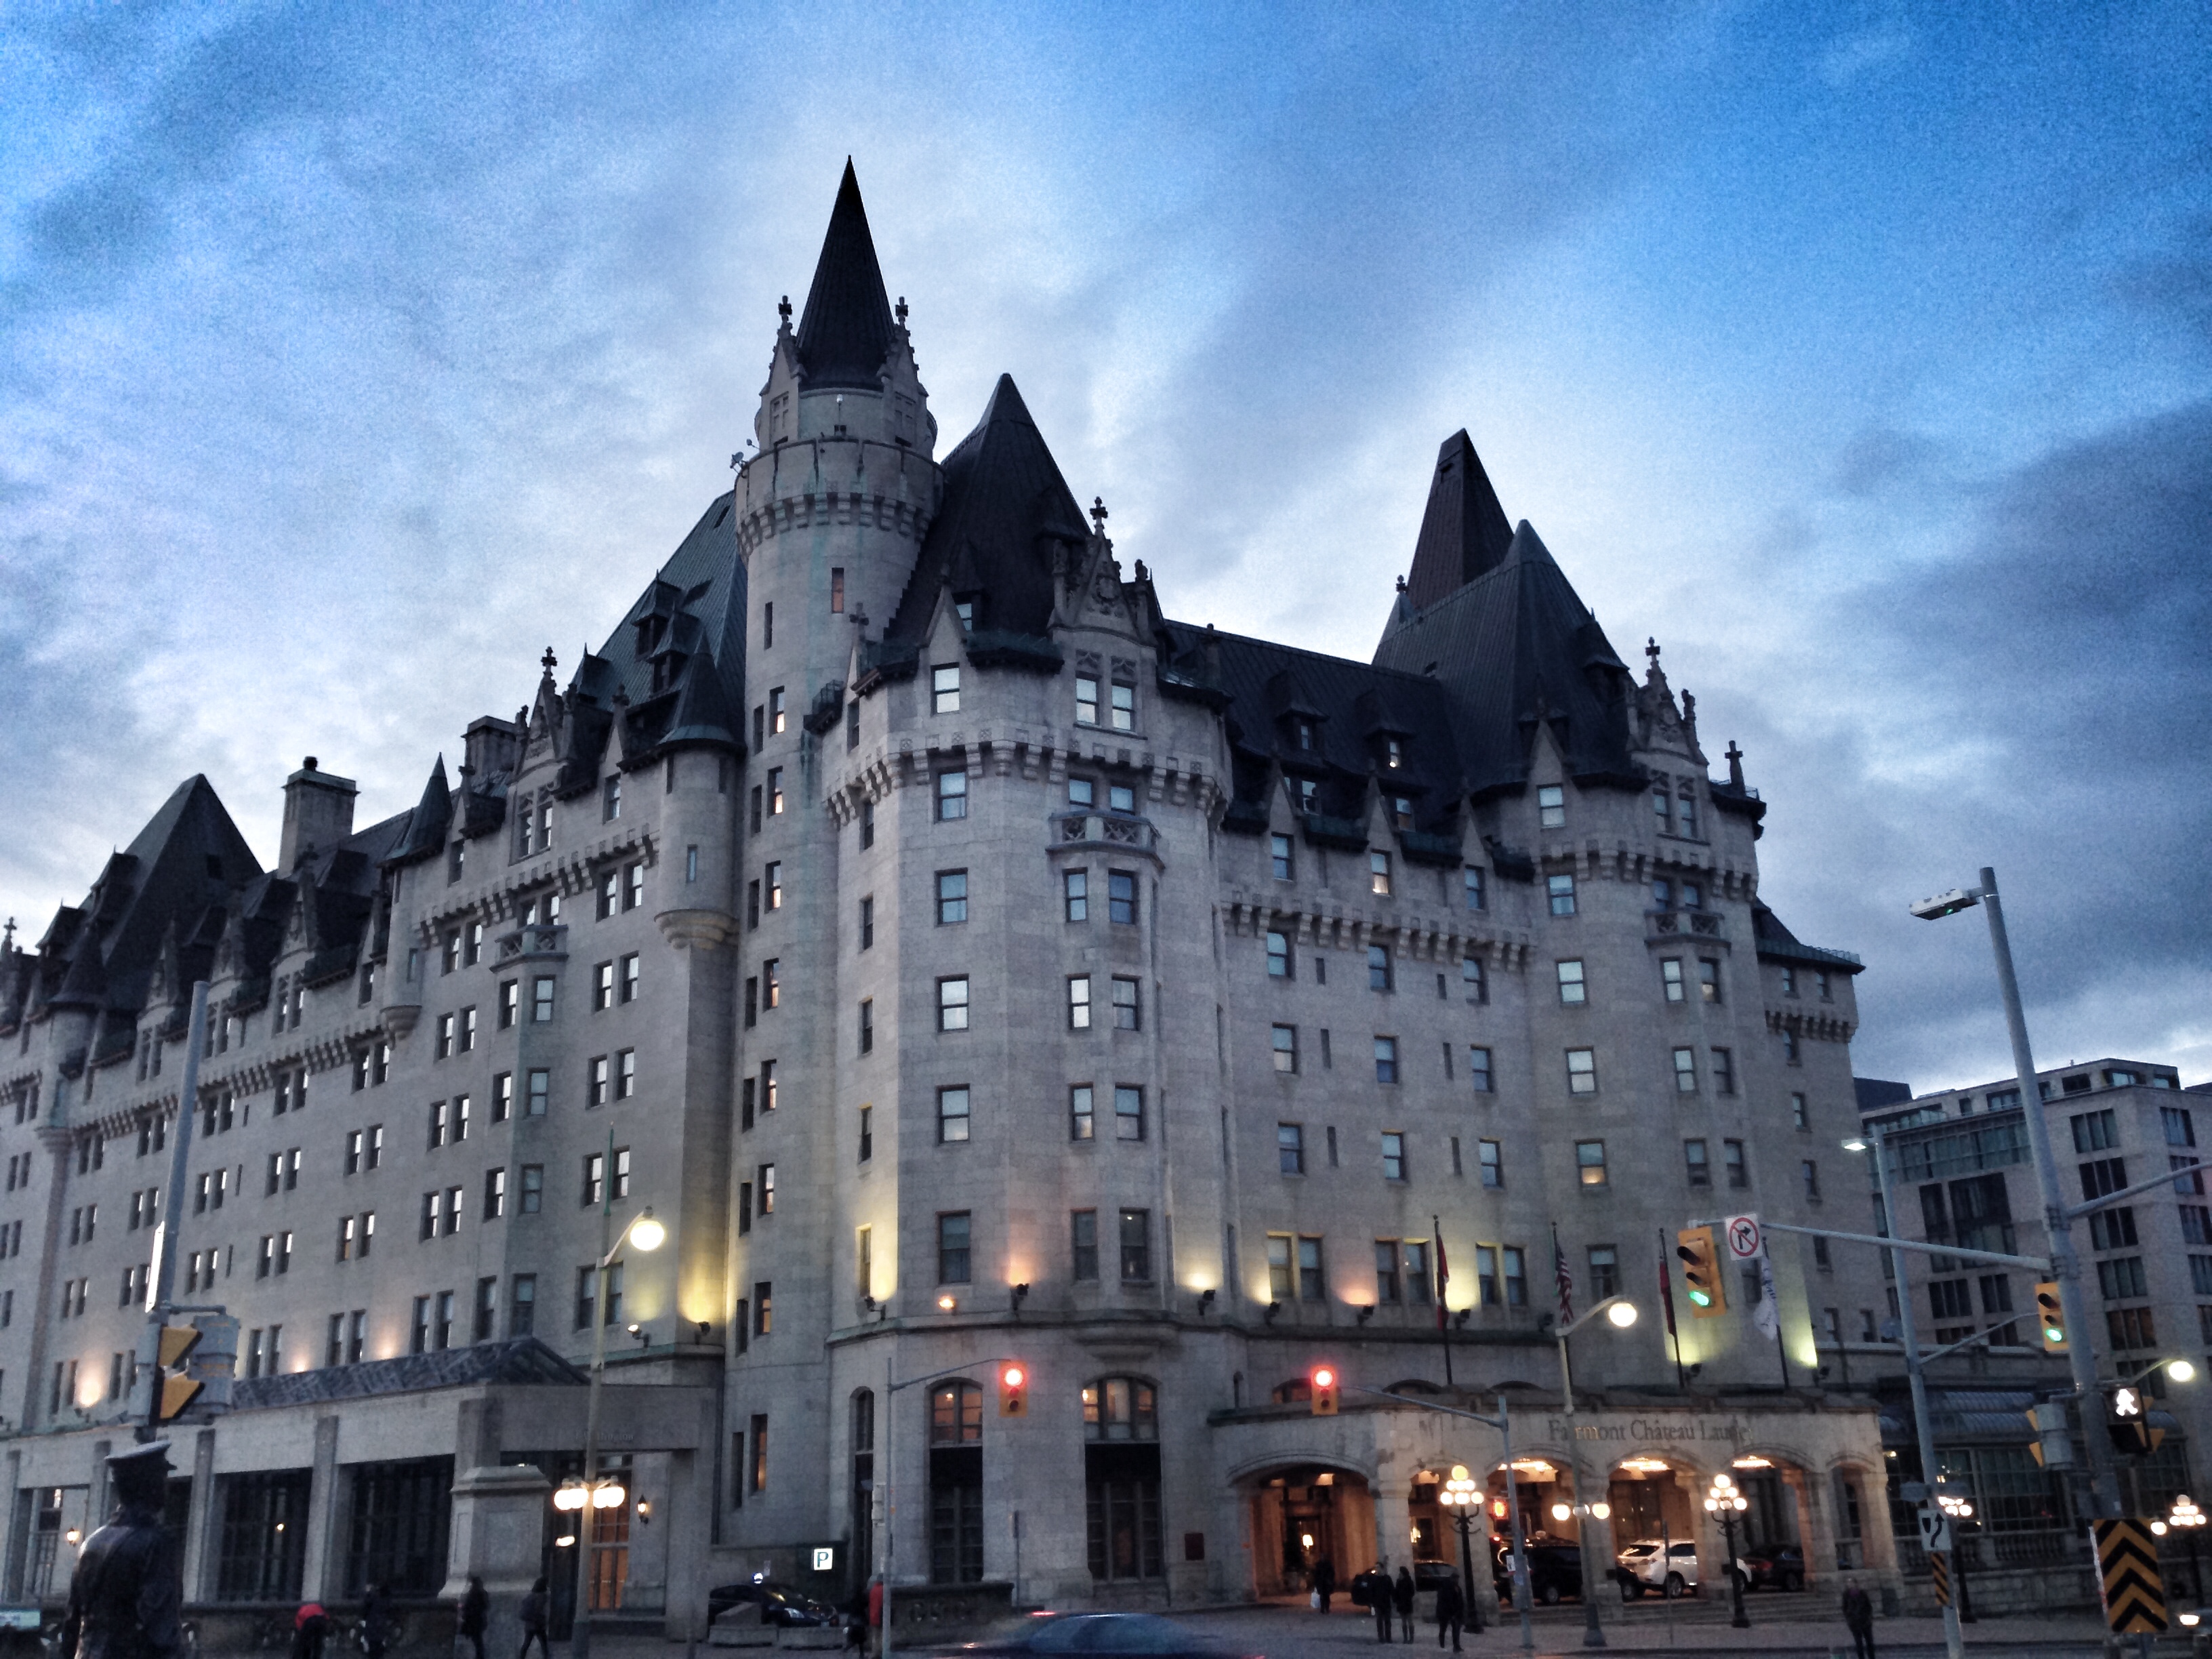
(1303,1516)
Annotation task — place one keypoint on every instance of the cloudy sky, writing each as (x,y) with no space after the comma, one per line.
(1861,353)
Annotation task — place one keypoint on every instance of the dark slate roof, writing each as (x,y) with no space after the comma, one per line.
(1776,943)
(702,713)
(524,1360)
(1515,646)
(700,591)
(1873,1093)
(1353,706)
(428,823)
(845,332)
(1004,507)
(1464,532)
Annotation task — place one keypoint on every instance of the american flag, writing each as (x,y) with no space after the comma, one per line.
(1567,1280)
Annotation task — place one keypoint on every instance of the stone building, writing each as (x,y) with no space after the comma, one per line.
(968,964)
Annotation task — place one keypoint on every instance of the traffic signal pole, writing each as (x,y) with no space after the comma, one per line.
(147,1408)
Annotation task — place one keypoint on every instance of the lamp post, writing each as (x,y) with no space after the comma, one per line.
(1724,1502)
(1961,1511)
(2186,1517)
(1459,1498)
(643,1233)
(1619,1312)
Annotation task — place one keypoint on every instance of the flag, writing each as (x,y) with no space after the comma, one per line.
(1567,1280)
(1767,1315)
(1444,1274)
(1666,1288)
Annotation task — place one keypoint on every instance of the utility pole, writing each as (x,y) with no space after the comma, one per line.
(146,1406)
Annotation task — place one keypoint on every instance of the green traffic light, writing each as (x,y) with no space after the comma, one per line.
(1703,1298)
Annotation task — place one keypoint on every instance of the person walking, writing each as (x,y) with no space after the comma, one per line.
(1379,1598)
(123,1599)
(1858,1619)
(1402,1594)
(476,1608)
(310,1626)
(532,1619)
(1324,1581)
(375,1621)
(1452,1611)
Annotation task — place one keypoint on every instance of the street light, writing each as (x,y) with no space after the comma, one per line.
(1459,1499)
(1960,1511)
(1620,1313)
(643,1233)
(1724,1502)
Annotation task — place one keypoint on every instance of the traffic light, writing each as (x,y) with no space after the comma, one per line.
(2132,1433)
(1013,1391)
(177,1342)
(2048,1320)
(1701,1272)
(1323,1380)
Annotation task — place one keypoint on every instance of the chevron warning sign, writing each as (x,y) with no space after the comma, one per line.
(1939,1567)
(2128,1577)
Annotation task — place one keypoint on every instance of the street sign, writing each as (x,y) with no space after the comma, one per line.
(1934,1530)
(2128,1582)
(1746,1242)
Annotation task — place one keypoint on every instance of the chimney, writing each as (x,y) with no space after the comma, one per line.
(317,814)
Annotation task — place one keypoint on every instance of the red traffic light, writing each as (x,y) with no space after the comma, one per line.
(1321,1382)
(1324,1376)
(1013,1391)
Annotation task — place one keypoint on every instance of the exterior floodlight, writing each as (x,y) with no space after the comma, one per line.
(1854,1144)
(945,1304)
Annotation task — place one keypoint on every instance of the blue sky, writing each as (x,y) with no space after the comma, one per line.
(1860,354)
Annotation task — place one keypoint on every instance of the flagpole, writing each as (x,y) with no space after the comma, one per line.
(1443,1313)
(1666,1297)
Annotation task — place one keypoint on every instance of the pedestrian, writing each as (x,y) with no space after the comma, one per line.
(1452,1610)
(310,1626)
(1324,1581)
(1858,1619)
(476,1606)
(1403,1595)
(375,1621)
(1379,1598)
(875,1644)
(123,1596)
(533,1618)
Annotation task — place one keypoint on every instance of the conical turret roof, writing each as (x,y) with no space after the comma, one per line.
(1464,532)
(432,817)
(845,332)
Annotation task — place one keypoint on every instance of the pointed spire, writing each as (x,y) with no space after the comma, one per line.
(845,332)
(1464,532)
(703,710)
(432,817)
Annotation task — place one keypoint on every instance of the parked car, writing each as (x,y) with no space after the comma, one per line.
(779,1604)
(1555,1571)
(1427,1575)
(1776,1566)
(1652,1564)
(1097,1633)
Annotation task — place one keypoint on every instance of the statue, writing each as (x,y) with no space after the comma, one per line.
(123,1599)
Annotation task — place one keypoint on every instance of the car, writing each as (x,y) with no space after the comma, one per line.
(1555,1571)
(1428,1575)
(779,1604)
(1653,1564)
(1101,1632)
(1774,1566)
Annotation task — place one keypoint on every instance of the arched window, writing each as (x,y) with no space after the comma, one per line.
(1121,1478)
(1119,1408)
(956,1414)
(956,1483)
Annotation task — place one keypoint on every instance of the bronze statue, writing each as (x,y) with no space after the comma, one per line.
(123,1599)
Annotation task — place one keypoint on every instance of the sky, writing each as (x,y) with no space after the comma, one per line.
(1860,354)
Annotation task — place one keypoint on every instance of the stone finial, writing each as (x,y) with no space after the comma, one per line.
(899,311)
(1736,765)
(1651,649)
(783,310)
(1098,515)
(8,935)
(1402,584)
(548,662)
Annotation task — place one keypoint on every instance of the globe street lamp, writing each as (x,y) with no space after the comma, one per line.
(643,1233)
(1725,1503)
(1459,1498)
(1960,1511)
(1620,1313)
(2185,1518)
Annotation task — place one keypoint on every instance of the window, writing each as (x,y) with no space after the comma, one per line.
(1724,1072)
(595,1178)
(1561,890)
(2115,1229)
(1685,1071)
(1086,700)
(2096,1132)
(1385,1059)
(1279,857)
(1388,1292)
(2121,1277)
(775,791)
(951,897)
(1286,1042)
(1136,1227)
(1695,1165)
(1589,1163)
(867,823)
(1789,981)
(2103,1176)
(951,1114)
(952,796)
(1797,1114)
(495,1195)
(1709,980)
(1126,1006)
(1473,980)
(1379,974)
(596,1074)
(1122,897)
(1394,1155)
(1125,706)
(1687,807)
(541,999)
(1128,1113)
(2130,1328)
(1476,898)
(1378,874)
(2180,1128)
(1478,1068)
(1670,977)
(952,1248)
(1083,1242)
(837,590)
(1790,1055)
(1078,1002)
(768,626)
(1075,893)
(1582,1070)
(1291,1148)
(1573,990)
(945,689)
(625,1073)
(868,1024)
(1551,806)
(533,1188)
(1809,1172)
(539,1091)
(1279,964)
(1604,1271)
(771,977)
(1514,1261)
(1082,1124)
(953,1003)
(1732,1158)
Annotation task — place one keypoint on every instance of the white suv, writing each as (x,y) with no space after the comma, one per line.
(1651,1564)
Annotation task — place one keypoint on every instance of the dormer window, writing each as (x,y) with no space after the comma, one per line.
(1551,806)
(1393,753)
(1302,793)
(1401,811)
(965,609)
(1302,734)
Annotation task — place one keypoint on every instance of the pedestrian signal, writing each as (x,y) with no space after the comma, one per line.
(173,1394)
(177,1342)
(1323,1381)
(1013,1391)
(1701,1272)
(2049,1319)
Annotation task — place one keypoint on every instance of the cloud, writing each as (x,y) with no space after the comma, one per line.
(1854,55)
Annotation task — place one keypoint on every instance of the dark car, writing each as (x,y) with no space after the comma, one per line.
(1777,1567)
(1555,1571)
(1427,1575)
(1101,1633)
(779,1604)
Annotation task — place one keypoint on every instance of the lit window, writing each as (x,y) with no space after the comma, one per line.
(1582,1070)
(1589,1163)
(1709,979)
(775,791)
(1551,806)
(775,714)
(772,884)
(1573,990)
(1078,1003)
(1393,753)
(953,1003)
(945,691)
(1378,874)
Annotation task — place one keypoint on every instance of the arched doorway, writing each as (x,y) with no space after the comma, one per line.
(1303,1514)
